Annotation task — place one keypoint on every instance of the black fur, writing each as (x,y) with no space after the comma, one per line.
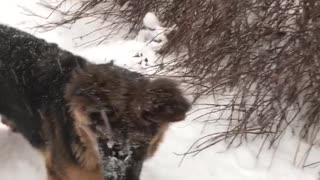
(34,73)
(37,72)
(14,106)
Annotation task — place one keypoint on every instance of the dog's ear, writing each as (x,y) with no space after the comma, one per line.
(164,101)
(89,119)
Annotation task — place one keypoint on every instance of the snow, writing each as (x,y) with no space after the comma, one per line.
(153,34)
(151,21)
(130,54)
(20,161)
(221,163)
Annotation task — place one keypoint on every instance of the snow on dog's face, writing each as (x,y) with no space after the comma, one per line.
(110,103)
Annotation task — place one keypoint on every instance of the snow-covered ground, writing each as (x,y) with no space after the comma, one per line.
(19,161)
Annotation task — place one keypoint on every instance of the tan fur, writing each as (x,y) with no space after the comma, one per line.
(59,162)
(157,140)
(77,173)
(72,171)
(89,158)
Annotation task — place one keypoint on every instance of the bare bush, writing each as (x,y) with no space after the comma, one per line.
(265,52)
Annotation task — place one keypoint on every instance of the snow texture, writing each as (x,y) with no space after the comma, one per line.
(122,159)
(153,34)
(20,161)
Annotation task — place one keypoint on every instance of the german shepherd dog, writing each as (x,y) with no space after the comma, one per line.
(90,122)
